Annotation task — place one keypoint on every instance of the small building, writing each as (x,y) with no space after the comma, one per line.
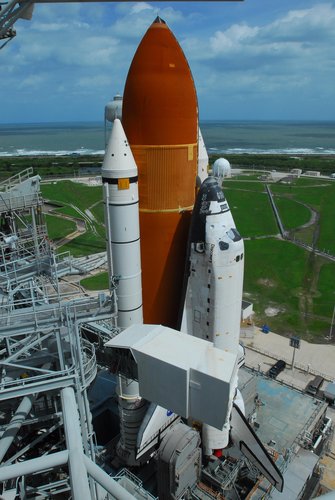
(288,179)
(312,173)
(296,171)
(247,310)
(89,168)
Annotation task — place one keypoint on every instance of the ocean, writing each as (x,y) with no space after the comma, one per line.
(221,137)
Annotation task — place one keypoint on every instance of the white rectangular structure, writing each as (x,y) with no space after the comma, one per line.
(184,374)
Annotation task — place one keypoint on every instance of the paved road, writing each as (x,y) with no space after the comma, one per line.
(262,350)
(285,234)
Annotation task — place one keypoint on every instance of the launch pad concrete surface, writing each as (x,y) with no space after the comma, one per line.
(327,462)
(282,413)
(262,350)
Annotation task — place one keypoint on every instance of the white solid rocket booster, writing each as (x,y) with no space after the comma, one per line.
(120,187)
(120,181)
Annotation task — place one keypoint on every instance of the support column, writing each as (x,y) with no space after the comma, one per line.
(78,474)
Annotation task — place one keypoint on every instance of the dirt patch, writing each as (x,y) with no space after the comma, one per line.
(273,311)
(266,282)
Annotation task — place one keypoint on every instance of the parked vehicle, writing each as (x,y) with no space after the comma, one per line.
(276,368)
(313,387)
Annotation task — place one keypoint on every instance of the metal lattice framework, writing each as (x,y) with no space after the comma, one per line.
(46,363)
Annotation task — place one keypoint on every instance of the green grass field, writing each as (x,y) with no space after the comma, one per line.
(324,300)
(98,212)
(97,282)
(286,278)
(315,193)
(243,177)
(292,214)
(83,197)
(252,213)
(72,192)
(72,212)
(85,244)
(322,199)
(278,274)
(307,181)
(294,283)
(244,185)
(58,228)
(312,196)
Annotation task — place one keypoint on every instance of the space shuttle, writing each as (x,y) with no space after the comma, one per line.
(173,243)
(212,311)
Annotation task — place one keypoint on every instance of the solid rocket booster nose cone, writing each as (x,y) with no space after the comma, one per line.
(119,160)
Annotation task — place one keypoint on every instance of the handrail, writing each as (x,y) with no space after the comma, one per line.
(298,365)
(90,368)
(55,309)
(17,178)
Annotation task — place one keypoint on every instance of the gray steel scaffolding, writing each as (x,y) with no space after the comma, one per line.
(46,363)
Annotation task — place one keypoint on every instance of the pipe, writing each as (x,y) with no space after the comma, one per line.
(15,424)
(107,482)
(317,442)
(78,474)
(327,426)
(33,443)
(109,249)
(34,465)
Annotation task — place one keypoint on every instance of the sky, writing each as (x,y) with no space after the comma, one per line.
(251,60)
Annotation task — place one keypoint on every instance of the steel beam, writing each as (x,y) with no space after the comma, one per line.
(107,482)
(78,474)
(25,387)
(32,444)
(15,424)
(34,465)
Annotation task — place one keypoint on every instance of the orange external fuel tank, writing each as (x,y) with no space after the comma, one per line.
(160,118)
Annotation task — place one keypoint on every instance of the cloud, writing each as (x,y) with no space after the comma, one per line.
(315,23)
(236,53)
(279,48)
(32,82)
(290,32)
(89,52)
(140,6)
(233,38)
(136,20)
(93,84)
